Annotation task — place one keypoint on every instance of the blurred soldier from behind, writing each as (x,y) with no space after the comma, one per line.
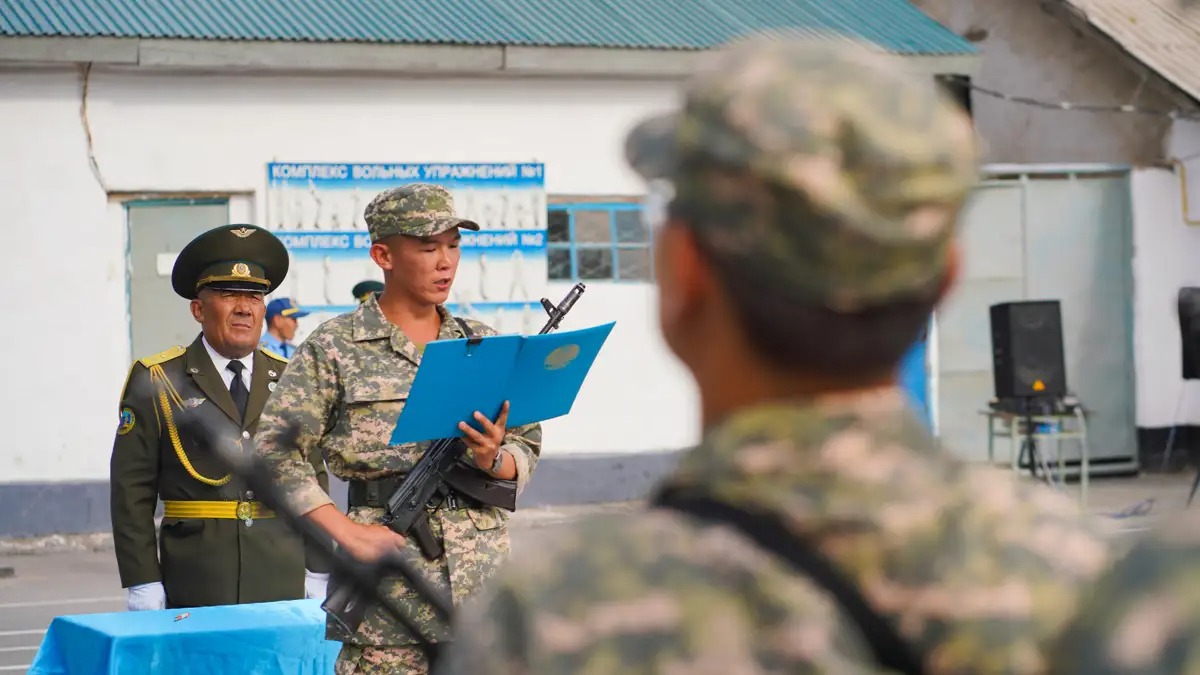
(365,289)
(804,203)
(283,316)
(1143,615)
(218,546)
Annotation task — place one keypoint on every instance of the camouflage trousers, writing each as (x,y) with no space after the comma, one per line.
(357,660)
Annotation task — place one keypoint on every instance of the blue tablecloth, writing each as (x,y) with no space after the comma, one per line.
(263,639)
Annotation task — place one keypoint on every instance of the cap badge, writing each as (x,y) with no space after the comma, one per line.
(241,270)
(243,232)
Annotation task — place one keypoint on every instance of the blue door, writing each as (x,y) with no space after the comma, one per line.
(914,378)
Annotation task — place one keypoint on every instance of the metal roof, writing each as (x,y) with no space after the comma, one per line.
(1162,34)
(895,25)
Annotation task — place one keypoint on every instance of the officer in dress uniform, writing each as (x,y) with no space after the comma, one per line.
(217,546)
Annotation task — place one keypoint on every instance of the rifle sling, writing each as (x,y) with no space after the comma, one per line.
(889,649)
(470,334)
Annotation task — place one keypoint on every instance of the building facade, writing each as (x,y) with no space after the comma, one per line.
(134,136)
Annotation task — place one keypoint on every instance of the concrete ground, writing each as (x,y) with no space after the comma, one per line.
(53,576)
(76,575)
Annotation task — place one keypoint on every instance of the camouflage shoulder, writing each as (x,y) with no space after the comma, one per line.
(272,355)
(666,563)
(1149,586)
(163,356)
(478,327)
(340,326)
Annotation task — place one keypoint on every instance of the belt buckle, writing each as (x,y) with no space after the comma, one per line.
(245,511)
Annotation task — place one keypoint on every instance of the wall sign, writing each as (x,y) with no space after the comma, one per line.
(316,209)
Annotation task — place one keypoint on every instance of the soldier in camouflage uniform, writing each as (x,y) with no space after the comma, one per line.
(809,193)
(344,390)
(1143,616)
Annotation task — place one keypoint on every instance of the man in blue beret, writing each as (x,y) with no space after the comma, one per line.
(282,322)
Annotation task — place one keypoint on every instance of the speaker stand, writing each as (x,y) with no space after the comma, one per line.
(1029,443)
(1174,425)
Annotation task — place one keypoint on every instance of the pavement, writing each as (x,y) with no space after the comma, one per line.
(54,576)
(58,575)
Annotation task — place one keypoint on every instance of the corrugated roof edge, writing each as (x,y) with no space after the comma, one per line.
(510,43)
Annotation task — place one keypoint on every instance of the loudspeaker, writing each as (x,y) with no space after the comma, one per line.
(1189,331)
(1027,350)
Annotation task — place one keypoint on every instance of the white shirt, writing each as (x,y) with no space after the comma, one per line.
(226,374)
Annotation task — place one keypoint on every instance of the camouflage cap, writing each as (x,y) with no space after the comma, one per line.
(817,165)
(416,210)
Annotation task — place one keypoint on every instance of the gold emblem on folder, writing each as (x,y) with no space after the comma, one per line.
(561,357)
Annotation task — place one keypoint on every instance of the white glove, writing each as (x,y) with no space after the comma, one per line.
(146,596)
(315,584)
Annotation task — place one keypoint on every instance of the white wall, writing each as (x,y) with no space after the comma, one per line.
(638,396)
(1166,257)
(67,340)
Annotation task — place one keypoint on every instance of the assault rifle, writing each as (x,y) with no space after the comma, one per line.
(440,475)
(364,578)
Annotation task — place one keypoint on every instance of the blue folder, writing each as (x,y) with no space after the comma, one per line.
(539,375)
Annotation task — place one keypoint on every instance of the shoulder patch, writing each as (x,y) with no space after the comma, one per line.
(272,354)
(125,422)
(163,356)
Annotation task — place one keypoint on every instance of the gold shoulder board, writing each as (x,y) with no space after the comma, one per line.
(163,356)
(272,354)
(151,361)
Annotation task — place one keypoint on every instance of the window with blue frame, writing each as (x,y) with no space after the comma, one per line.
(598,241)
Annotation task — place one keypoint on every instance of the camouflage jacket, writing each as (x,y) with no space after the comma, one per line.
(977,573)
(345,388)
(1143,616)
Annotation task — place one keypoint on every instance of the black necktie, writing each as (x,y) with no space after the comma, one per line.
(237,388)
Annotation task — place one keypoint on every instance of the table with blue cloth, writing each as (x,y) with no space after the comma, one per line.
(262,638)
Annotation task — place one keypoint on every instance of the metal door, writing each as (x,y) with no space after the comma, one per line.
(158,231)
(1079,233)
(1042,235)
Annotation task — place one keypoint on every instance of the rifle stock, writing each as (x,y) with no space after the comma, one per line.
(359,581)
(439,470)
(482,487)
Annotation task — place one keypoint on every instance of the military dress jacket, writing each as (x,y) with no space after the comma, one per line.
(174,408)
(340,398)
(977,573)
